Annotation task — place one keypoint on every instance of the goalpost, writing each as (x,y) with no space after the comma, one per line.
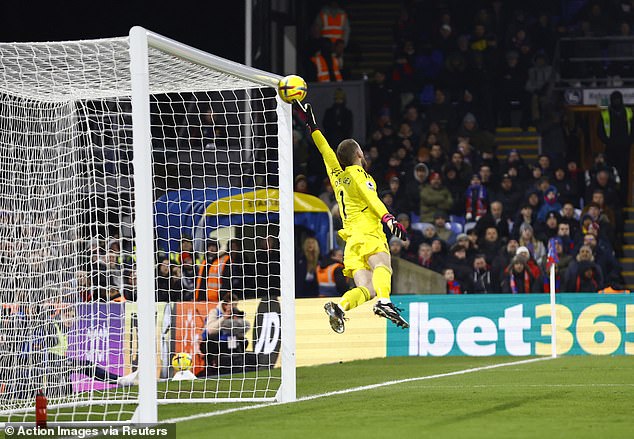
(123,161)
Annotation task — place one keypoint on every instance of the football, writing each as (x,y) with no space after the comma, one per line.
(182,361)
(292,88)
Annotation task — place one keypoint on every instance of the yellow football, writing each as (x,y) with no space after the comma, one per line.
(292,88)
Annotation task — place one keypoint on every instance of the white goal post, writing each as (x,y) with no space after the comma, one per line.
(142,181)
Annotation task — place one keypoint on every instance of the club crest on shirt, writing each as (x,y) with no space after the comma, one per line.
(370,185)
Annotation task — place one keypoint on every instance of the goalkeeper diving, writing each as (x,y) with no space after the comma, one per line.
(366,255)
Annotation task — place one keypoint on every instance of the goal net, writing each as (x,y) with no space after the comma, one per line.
(145,211)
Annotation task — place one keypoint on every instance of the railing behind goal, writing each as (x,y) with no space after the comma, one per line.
(121,160)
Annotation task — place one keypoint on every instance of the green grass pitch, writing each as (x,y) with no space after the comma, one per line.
(568,397)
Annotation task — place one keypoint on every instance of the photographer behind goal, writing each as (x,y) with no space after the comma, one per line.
(224,338)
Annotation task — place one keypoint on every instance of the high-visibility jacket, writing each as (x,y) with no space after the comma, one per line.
(326,279)
(610,290)
(214,281)
(605,117)
(332,26)
(323,75)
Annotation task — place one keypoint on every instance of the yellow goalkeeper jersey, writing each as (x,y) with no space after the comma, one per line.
(355,190)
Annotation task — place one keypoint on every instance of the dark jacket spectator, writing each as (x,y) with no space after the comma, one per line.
(518,279)
(434,197)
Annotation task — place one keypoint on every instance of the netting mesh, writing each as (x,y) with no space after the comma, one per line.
(67,246)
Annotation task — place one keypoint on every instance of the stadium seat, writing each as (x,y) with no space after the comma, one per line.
(454,227)
(457,219)
(421,226)
(468,226)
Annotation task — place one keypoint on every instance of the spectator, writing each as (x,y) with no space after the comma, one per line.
(458,262)
(569,216)
(163,280)
(440,134)
(306,263)
(463,169)
(604,258)
(332,282)
(563,233)
(539,76)
(404,79)
(380,95)
(611,178)
(585,257)
(551,204)
(489,245)
(338,52)
(414,185)
(301,184)
(213,278)
(549,228)
(328,194)
(414,237)
(476,200)
(442,112)
(503,259)
(453,286)
(397,249)
(482,280)
(224,338)
(483,141)
(400,202)
(434,197)
(509,196)
(518,279)
(414,119)
(332,23)
(496,218)
(615,131)
(531,262)
(437,159)
(562,263)
(324,65)
(439,252)
(565,188)
(528,240)
(338,119)
(428,259)
(515,161)
(525,216)
(511,91)
(610,190)
(443,229)
(267,266)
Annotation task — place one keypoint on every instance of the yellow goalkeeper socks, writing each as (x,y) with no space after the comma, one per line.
(354,297)
(382,281)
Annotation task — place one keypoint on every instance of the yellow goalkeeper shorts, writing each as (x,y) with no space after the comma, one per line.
(359,248)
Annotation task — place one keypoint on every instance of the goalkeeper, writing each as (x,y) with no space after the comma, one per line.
(366,256)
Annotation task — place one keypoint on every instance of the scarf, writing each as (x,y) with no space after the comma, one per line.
(527,283)
(476,198)
(547,283)
(453,287)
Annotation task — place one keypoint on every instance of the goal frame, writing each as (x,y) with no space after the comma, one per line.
(140,39)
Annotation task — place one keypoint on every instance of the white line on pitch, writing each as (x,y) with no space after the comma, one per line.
(354,389)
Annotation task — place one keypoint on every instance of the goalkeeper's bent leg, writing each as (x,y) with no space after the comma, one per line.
(354,297)
(382,281)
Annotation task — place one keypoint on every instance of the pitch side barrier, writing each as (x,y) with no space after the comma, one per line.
(518,325)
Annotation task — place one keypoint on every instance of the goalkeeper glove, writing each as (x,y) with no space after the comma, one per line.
(307,111)
(395,227)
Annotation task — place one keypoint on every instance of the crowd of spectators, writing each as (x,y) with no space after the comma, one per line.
(487,225)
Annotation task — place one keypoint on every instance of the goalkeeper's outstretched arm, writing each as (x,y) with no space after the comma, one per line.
(362,180)
(333,167)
